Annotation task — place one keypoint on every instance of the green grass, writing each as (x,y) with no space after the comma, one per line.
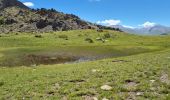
(140,60)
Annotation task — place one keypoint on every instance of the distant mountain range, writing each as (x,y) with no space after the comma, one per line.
(156,29)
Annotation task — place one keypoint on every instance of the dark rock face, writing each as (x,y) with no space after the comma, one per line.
(41,24)
(11,3)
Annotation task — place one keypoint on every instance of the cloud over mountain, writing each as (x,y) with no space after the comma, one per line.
(148,24)
(29,4)
(109,22)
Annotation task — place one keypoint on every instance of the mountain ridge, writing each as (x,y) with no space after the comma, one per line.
(156,29)
(16,17)
(11,3)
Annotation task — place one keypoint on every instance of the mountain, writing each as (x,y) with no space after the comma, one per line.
(123,28)
(16,17)
(156,29)
(11,3)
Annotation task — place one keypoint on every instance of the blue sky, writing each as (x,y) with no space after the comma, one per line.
(135,13)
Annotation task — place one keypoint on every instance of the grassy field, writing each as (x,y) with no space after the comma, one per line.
(135,67)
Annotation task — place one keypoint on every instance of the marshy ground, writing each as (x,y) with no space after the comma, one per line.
(84,65)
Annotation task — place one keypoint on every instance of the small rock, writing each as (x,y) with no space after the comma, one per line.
(105,99)
(152,88)
(89,98)
(106,87)
(152,81)
(64,98)
(95,98)
(132,96)
(139,93)
(94,70)
(165,79)
(57,86)
(34,65)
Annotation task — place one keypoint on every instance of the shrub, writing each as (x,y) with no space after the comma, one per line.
(1,21)
(38,36)
(99,30)
(1,83)
(89,40)
(63,37)
(107,35)
(79,35)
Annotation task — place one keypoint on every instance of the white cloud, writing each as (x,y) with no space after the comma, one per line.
(109,22)
(29,4)
(127,26)
(148,24)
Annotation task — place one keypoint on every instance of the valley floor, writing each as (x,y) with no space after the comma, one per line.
(140,71)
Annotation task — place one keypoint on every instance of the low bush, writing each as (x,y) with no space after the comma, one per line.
(38,36)
(63,37)
(107,35)
(99,30)
(89,40)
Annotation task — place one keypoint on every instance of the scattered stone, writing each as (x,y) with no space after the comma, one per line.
(152,81)
(139,93)
(64,98)
(119,61)
(152,88)
(95,98)
(95,70)
(130,84)
(164,79)
(34,65)
(132,96)
(57,86)
(106,87)
(99,39)
(89,98)
(105,99)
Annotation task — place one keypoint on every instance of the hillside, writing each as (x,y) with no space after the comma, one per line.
(16,17)
(11,3)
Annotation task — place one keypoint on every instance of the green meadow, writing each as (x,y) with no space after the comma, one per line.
(75,65)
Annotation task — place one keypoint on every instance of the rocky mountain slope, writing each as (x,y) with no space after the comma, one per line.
(11,3)
(16,17)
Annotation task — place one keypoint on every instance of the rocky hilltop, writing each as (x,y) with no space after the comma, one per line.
(16,17)
(11,3)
